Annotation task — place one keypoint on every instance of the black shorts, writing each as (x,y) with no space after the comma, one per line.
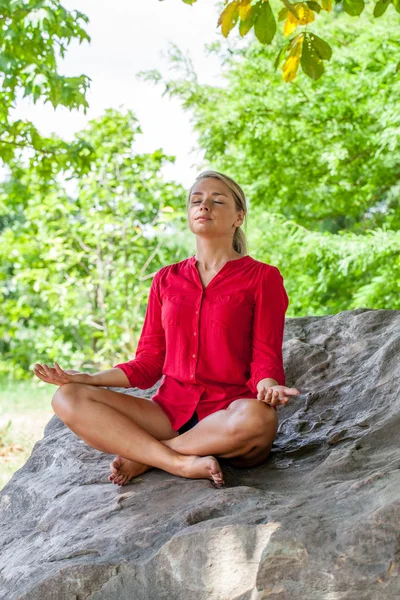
(194,419)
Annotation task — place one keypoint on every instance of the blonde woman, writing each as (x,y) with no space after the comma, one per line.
(213,330)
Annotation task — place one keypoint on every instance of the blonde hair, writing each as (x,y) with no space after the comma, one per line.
(239,243)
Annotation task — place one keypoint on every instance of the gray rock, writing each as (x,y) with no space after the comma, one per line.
(320,520)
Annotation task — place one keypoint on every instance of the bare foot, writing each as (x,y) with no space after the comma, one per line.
(192,467)
(202,467)
(123,470)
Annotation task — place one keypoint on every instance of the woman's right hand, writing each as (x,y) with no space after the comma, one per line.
(58,376)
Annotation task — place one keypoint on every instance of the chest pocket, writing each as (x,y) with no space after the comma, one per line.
(231,311)
(171,310)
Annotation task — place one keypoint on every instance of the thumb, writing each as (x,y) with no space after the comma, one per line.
(292,391)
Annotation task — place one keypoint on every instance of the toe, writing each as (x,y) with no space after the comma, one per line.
(218,479)
(114,466)
(217,475)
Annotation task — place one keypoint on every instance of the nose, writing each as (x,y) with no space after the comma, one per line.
(204,204)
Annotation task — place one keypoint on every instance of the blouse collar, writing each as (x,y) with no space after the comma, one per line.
(192,259)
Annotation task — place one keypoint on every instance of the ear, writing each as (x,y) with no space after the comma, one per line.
(240,217)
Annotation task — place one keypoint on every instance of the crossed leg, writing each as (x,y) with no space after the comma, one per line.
(139,431)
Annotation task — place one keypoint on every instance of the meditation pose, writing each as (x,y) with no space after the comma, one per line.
(213,330)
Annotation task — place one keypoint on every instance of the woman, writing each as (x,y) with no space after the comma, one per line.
(214,329)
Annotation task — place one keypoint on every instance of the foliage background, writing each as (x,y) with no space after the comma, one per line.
(84,225)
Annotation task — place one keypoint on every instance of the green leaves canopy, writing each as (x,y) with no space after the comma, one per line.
(33,35)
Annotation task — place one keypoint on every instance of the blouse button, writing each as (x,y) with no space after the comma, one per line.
(193,356)
(191,375)
(194,333)
(197,312)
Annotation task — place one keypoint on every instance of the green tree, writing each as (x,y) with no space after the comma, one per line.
(319,163)
(76,264)
(34,34)
(326,153)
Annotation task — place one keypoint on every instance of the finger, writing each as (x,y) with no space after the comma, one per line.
(48,370)
(58,369)
(275,398)
(266,395)
(292,392)
(261,394)
(42,377)
(269,398)
(39,368)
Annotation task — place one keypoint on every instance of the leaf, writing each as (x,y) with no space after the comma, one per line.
(305,16)
(246,24)
(279,57)
(353,7)
(291,8)
(311,63)
(396,4)
(380,7)
(314,6)
(228,18)
(326,5)
(322,48)
(282,14)
(265,24)
(244,9)
(290,68)
(291,65)
(290,25)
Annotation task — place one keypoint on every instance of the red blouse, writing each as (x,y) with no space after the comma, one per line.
(212,344)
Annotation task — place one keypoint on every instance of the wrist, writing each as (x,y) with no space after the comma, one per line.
(82,378)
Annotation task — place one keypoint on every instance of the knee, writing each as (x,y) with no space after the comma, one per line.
(66,400)
(255,418)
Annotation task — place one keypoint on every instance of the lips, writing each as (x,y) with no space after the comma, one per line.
(203,219)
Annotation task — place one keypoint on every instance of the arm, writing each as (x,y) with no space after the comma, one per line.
(268,328)
(146,368)
(108,378)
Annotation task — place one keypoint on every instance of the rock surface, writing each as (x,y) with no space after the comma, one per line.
(320,520)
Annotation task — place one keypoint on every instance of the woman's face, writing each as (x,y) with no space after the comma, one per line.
(212,198)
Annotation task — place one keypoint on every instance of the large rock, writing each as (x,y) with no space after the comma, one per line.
(319,521)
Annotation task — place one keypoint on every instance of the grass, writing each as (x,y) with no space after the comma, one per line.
(25,410)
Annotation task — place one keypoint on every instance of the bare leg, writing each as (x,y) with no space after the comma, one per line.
(217,434)
(107,430)
(220,434)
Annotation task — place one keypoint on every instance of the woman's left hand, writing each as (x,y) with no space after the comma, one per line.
(276,394)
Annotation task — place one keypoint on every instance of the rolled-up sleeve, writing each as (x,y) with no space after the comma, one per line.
(268,329)
(146,368)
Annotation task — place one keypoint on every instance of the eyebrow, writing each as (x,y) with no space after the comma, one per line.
(213,194)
